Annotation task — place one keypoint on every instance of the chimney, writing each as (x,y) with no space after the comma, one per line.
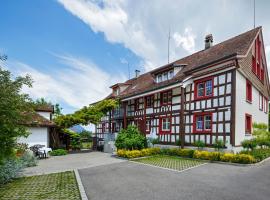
(137,73)
(208,41)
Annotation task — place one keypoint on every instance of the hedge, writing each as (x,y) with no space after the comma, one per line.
(189,153)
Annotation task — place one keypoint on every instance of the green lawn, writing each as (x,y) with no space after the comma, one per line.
(58,186)
(170,162)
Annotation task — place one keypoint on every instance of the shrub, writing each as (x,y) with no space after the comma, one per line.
(58,152)
(227,157)
(263,142)
(188,153)
(154,141)
(130,139)
(201,155)
(249,144)
(243,158)
(219,144)
(214,156)
(200,144)
(21,148)
(178,142)
(9,169)
(133,154)
(258,154)
(28,159)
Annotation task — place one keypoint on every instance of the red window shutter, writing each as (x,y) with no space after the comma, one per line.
(248,91)
(248,123)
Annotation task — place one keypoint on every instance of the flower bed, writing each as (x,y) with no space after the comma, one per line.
(258,154)
(189,153)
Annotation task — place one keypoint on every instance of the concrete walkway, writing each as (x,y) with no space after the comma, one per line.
(71,162)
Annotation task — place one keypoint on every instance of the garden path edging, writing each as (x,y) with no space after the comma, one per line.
(80,185)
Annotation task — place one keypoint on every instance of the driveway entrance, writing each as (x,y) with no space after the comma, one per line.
(71,162)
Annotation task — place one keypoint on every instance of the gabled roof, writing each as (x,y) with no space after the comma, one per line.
(229,49)
(33,119)
(45,108)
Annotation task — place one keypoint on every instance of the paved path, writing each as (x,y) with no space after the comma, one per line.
(71,162)
(130,181)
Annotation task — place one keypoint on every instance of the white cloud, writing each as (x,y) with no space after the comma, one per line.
(81,82)
(142,26)
(187,40)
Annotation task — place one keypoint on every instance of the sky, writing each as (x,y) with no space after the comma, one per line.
(75,50)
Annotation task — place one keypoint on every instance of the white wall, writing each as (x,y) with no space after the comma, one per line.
(243,107)
(47,115)
(39,135)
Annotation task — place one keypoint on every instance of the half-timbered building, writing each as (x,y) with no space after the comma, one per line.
(213,94)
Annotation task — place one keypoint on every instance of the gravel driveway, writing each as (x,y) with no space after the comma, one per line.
(130,181)
(70,162)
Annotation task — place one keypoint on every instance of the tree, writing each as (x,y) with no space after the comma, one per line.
(42,102)
(13,108)
(88,114)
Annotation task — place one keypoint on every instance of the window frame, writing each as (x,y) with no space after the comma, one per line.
(161,131)
(203,81)
(203,115)
(151,97)
(248,130)
(261,101)
(169,100)
(248,91)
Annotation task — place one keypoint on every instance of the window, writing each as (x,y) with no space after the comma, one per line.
(165,125)
(204,88)
(262,74)
(265,105)
(165,76)
(166,97)
(137,104)
(149,101)
(148,125)
(248,91)
(171,74)
(248,123)
(202,123)
(159,78)
(261,101)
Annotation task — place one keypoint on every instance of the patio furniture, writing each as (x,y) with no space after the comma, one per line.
(40,151)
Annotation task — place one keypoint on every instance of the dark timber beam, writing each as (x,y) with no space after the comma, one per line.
(182,119)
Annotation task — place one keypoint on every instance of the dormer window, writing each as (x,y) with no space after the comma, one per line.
(117,91)
(164,76)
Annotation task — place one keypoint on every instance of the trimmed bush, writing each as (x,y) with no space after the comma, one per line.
(226,157)
(243,158)
(130,139)
(201,155)
(9,169)
(219,144)
(249,144)
(258,154)
(58,152)
(214,156)
(188,153)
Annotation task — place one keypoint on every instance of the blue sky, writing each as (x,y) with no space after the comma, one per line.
(76,49)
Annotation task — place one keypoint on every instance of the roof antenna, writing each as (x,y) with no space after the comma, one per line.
(169,37)
(254,12)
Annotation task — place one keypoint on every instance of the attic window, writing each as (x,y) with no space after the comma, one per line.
(117,91)
(164,76)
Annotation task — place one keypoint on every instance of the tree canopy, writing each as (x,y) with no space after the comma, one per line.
(88,114)
(13,106)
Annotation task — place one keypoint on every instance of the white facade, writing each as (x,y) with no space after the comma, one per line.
(38,135)
(242,107)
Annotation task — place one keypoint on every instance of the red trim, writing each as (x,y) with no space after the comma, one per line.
(248,123)
(160,124)
(203,81)
(203,114)
(169,97)
(248,91)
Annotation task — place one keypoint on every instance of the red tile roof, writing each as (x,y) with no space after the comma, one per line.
(230,48)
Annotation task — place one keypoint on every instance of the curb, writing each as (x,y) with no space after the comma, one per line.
(80,185)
